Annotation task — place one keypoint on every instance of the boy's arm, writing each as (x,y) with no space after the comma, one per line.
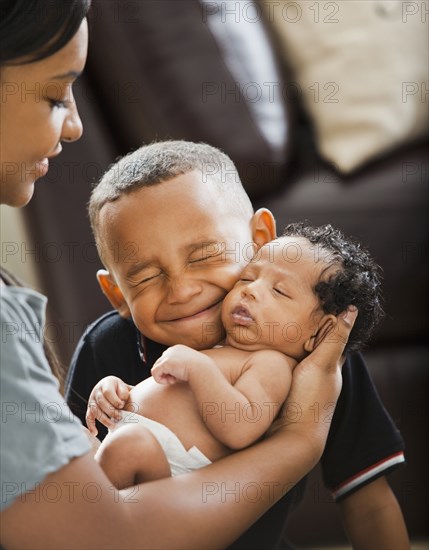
(236,414)
(363,445)
(373,519)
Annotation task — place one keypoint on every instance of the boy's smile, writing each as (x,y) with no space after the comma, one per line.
(174,250)
(199,312)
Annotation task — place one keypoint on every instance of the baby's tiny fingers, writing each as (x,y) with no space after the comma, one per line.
(168,379)
(123,393)
(105,420)
(90,418)
(113,399)
(159,375)
(156,370)
(105,406)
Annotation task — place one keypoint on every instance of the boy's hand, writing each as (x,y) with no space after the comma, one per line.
(176,364)
(107,398)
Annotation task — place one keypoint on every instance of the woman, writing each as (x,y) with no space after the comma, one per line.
(53,493)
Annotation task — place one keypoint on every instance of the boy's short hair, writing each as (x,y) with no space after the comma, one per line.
(357,281)
(162,161)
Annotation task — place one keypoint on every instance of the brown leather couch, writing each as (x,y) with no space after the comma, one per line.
(157,71)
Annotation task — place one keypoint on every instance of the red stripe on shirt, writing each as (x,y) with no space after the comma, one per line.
(366,470)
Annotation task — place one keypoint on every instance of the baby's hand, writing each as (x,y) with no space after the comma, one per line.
(175,364)
(107,398)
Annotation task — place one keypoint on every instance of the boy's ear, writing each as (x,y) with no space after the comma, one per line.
(325,324)
(113,293)
(263,227)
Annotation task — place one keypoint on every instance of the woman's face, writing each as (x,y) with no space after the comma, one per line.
(37,112)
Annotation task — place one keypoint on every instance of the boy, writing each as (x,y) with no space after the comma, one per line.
(285,299)
(164,210)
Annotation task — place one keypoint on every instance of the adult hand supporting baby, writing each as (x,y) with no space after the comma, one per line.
(317,382)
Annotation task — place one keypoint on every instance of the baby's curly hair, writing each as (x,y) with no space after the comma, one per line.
(356,282)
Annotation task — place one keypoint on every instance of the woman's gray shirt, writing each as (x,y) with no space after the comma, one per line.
(38,433)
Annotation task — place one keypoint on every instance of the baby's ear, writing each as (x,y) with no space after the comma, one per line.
(113,293)
(263,227)
(325,324)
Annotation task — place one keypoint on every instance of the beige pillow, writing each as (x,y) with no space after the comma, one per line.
(362,70)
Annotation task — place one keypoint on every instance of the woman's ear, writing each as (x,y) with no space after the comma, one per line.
(326,323)
(113,293)
(263,227)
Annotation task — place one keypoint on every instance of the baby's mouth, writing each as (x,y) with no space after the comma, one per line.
(241,315)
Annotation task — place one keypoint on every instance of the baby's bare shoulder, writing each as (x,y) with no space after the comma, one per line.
(229,360)
(234,362)
(271,359)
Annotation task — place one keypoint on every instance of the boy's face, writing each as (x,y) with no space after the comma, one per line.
(273,305)
(175,250)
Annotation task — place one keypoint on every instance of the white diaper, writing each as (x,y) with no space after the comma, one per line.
(179,459)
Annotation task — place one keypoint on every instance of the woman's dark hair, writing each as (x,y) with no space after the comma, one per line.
(35,29)
(356,281)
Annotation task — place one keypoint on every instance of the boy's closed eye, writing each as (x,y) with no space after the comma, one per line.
(207,252)
(206,258)
(150,277)
(143,278)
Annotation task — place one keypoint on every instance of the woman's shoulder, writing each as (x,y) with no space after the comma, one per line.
(17,302)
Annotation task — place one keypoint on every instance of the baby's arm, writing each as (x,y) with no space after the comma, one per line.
(236,414)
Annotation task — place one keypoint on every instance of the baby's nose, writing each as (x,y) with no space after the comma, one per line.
(251,290)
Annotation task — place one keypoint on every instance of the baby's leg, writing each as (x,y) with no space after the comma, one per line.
(132,455)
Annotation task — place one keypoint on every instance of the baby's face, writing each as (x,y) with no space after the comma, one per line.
(273,305)
(175,253)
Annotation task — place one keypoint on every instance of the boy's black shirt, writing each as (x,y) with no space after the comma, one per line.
(363,442)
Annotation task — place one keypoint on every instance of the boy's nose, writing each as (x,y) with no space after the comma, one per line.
(182,289)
